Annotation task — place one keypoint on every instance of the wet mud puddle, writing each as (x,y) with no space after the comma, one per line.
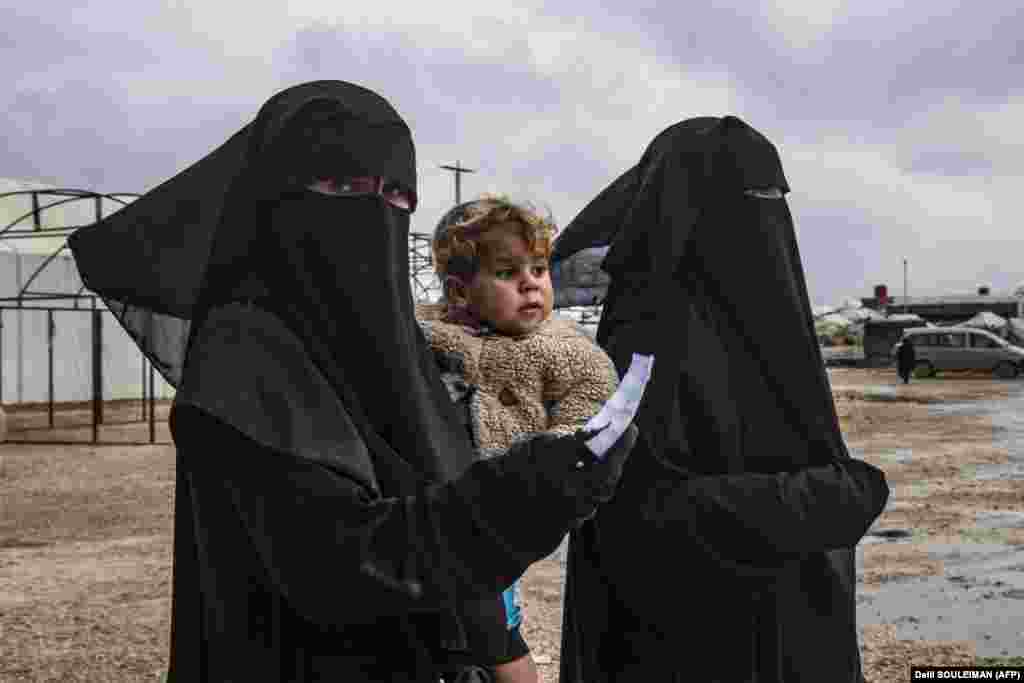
(979,594)
(979,597)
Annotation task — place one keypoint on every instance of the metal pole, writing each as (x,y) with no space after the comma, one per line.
(1,356)
(143,401)
(458,170)
(458,185)
(36,222)
(97,391)
(152,405)
(905,300)
(50,333)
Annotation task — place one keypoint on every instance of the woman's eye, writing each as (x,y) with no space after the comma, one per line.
(359,184)
(764,192)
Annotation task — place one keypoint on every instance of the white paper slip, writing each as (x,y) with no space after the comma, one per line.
(619,411)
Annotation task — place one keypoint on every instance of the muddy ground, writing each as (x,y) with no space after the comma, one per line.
(85,537)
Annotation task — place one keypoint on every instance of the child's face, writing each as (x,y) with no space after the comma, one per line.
(512,291)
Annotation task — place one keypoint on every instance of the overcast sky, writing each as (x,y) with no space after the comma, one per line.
(900,128)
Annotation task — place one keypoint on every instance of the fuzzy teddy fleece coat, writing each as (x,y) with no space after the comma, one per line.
(552,380)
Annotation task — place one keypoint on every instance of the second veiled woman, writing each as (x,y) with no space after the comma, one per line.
(727,554)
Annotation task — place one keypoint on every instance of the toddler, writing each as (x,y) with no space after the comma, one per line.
(511,367)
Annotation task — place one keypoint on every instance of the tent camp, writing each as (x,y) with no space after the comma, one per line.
(987,320)
(859,315)
(1010,329)
(1015,328)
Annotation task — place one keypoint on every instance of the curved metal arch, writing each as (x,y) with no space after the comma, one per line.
(42,266)
(65,196)
(69,195)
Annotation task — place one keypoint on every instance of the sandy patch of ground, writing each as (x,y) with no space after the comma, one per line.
(886,659)
(85,562)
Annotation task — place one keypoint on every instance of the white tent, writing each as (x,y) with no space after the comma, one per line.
(852,302)
(906,317)
(859,315)
(987,320)
(836,319)
(1015,328)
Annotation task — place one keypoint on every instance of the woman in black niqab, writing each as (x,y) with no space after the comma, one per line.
(727,554)
(330,520)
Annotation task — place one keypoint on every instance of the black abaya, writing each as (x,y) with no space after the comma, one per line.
(727,554)
(330,521)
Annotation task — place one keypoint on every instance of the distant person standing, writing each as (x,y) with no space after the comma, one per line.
(906,359)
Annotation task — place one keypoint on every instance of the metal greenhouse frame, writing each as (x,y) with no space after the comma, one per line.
(29,226)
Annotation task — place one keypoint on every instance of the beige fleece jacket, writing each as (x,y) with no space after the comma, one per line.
(551,380)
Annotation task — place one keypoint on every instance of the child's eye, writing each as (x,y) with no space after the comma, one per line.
(540,270)
(505,273)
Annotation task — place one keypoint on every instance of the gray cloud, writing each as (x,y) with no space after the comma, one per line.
(898,129)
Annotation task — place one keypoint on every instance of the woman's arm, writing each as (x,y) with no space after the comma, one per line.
(341,554)
(786,513)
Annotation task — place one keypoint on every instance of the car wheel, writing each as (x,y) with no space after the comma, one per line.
(924,368)
(1005,370)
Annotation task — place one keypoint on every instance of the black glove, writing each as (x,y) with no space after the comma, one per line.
(566,462)
(529,497)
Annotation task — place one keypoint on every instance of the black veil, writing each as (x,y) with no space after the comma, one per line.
(239,226)
(679,232)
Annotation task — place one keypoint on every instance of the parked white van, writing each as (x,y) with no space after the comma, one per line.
(962,348)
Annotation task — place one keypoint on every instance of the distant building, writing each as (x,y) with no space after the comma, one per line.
(949,309)
(881,335)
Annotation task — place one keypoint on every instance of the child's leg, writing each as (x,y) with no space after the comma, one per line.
(513,615)
(521,668)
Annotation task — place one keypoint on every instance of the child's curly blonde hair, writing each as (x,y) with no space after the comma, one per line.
(457,246)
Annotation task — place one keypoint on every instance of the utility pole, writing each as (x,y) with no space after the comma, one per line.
(905,285)
(458,170)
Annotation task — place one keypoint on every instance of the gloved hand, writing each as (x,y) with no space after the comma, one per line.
(566,462)
(526,499)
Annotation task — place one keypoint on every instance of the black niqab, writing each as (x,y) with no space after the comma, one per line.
(333,269)
(683,235)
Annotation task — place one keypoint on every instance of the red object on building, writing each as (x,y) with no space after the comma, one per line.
(882,294)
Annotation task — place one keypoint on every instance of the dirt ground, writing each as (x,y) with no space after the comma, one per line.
(85,532)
